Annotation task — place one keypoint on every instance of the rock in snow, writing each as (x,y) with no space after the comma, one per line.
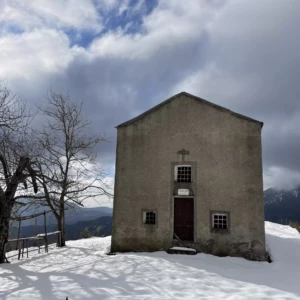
(82,270)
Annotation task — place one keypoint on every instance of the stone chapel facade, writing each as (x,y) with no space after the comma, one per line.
(189,173)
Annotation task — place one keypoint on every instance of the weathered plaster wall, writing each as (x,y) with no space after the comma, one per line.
(227,153)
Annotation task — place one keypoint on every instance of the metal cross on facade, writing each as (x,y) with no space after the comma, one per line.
(183,152)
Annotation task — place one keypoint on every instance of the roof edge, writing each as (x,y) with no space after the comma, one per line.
(191,96)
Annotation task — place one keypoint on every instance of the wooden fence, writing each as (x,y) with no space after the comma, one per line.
(23,243)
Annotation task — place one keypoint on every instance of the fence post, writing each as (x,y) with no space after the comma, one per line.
(19,254)
(35,231)
(23,243)
(17,244)
(45,230)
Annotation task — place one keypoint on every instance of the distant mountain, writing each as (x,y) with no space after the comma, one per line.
(74,214)
(282,206)
(86,213)
(98,227)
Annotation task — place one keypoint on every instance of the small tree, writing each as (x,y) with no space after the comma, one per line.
(68,171)
(15,159)
(97,230)
(85,234)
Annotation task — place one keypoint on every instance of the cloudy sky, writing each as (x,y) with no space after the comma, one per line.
(123,57)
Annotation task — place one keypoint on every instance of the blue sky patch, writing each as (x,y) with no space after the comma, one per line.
(129,20)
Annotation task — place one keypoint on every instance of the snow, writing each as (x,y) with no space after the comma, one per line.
(49,233)
(183,249)
(82,270)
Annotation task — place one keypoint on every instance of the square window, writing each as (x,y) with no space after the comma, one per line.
(219,221)
(183,173)
(149,217)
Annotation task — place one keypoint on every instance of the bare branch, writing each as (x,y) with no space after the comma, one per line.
(15,157)
(67,165)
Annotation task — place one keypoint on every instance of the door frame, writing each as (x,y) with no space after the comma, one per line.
(173,193)
(195,215)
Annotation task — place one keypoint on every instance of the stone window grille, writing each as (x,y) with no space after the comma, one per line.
(183,173)
(149,217)
(219,221)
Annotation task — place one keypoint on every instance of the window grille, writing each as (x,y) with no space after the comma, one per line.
(220,221)
(184,174)
(149,217)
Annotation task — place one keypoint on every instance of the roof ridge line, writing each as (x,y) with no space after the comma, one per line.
(191,96)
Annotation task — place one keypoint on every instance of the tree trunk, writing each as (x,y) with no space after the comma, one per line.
(5,212)
(7,200)
(60,227)
(4,224)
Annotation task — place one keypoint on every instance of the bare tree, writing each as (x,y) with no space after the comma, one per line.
(13,112)
(16,171)
(68,171)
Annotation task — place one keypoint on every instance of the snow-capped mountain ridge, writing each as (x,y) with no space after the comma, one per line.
(282,205)
(274,195)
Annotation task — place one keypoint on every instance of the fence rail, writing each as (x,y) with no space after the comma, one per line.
(22,243)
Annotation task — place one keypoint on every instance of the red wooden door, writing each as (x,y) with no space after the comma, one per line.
(184,218)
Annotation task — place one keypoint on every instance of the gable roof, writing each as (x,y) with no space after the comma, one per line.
(191,96)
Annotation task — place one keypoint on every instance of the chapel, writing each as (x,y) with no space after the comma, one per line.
(189,174)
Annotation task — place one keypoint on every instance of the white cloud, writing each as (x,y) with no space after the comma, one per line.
(183,19)
(102,200)
(281,178)
(123,6)
(106,5)
(254,19)
(28,15)
(29,54)
(210,82)
(170,25)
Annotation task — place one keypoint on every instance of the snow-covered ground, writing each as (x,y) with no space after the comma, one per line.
(82,270)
